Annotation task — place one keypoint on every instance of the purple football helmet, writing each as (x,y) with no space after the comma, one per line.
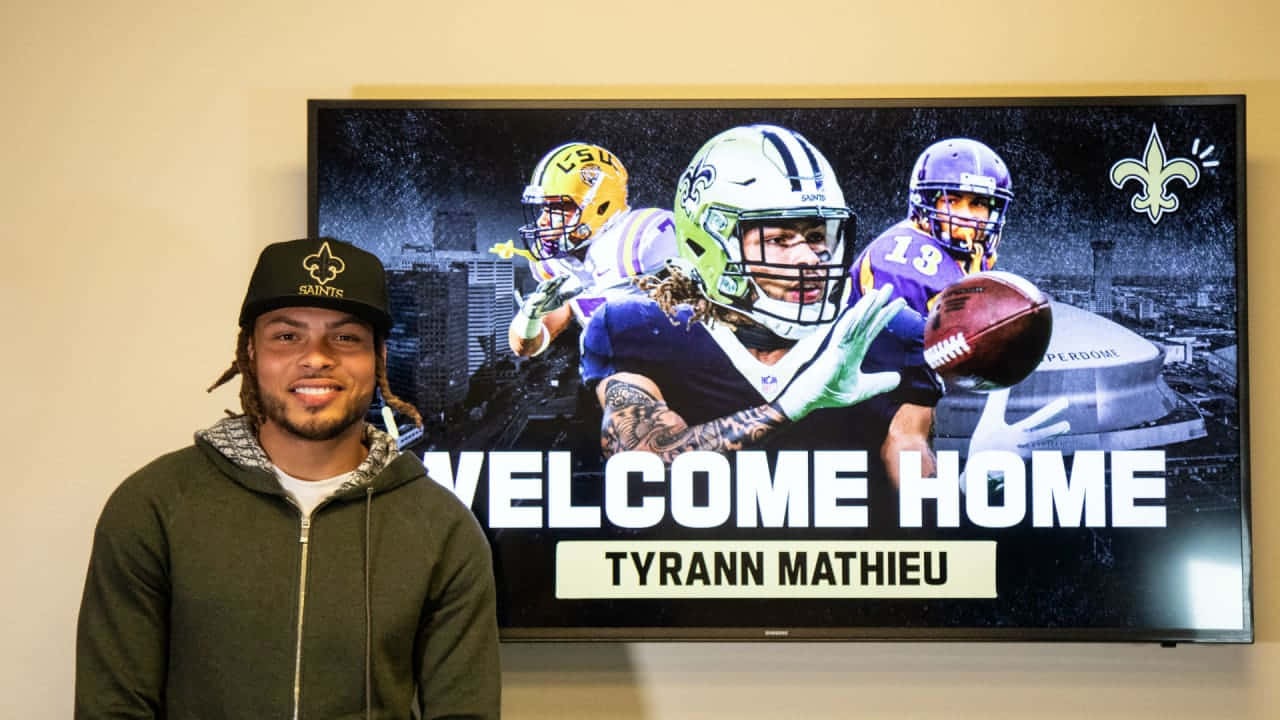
(961,165)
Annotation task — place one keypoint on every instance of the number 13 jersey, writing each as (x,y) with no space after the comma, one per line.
(917,265)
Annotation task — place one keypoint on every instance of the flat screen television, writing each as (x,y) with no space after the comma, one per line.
(1113,499)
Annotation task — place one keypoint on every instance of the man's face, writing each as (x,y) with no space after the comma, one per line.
(558,215)
(316,370)
(799,244)
(965,210)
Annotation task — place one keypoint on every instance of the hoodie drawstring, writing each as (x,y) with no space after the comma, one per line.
(368,607)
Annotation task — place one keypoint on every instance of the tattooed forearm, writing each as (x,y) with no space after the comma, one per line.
(636,420)
(619,394)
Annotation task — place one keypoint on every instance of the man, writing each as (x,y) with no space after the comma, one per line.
(959,196)
(745,345)
(586,244)
(960,191)
(290,564)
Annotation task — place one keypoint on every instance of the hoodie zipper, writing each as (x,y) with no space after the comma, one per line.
(304,543)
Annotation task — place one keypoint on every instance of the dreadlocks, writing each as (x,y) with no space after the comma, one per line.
(677,288)
(251,404)
(241,366)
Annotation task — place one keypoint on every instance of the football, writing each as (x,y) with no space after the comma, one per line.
(987,331)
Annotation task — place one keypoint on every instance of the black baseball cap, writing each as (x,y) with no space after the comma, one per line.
(319,272)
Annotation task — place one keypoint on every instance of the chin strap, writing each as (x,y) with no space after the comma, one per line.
(759,337)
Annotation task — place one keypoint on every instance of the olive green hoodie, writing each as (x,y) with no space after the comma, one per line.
(209,596)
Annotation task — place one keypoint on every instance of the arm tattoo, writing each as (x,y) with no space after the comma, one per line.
(636,420)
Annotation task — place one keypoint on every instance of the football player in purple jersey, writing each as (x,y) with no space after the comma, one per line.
(748,343)
(960,192)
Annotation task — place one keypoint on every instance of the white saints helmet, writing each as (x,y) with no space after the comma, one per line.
(762,175)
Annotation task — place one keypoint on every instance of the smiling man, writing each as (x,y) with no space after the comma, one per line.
(291,563)
(316,373)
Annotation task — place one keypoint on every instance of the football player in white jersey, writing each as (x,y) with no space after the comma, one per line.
(586,243)
(747,344)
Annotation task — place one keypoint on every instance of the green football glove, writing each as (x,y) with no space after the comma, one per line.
(834,376)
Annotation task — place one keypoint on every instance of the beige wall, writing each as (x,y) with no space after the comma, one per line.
(148,149)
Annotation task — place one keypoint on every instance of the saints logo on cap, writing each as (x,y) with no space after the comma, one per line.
(276,282)
(323,264)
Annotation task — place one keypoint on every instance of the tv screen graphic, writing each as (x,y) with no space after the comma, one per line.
(908,369)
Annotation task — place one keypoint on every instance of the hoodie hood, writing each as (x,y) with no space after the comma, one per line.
(234,439)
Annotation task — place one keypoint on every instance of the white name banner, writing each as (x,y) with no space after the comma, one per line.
(694,569)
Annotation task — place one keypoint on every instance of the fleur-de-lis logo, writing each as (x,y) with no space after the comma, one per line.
(1155,171)
(692,183)
(323,264)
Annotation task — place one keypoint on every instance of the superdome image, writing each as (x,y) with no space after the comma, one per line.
(1111,377)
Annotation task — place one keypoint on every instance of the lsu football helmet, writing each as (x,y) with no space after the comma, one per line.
(961,165)
(575,191)
(755,176)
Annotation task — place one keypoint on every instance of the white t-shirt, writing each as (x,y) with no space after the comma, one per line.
(309,493)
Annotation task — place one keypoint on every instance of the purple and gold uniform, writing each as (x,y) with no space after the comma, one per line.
(917,264)
(705,373)
(634,243)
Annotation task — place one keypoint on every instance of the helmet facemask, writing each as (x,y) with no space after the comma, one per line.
(576,191)
(941,224)
(814,292)
(955,166)
(552,226)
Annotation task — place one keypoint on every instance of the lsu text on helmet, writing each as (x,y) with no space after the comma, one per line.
(575,191)
(961,165)
(752,177)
